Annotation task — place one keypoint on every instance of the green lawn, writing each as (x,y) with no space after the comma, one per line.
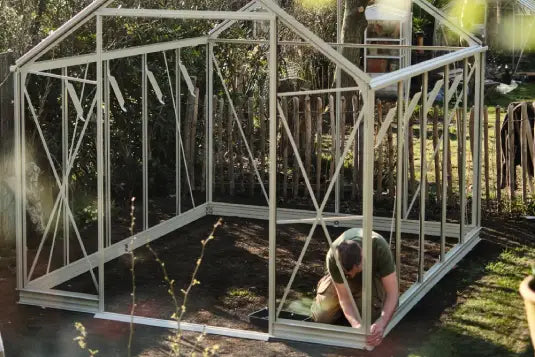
(489,318)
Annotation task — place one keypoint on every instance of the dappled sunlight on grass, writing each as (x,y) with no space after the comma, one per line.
(489,316)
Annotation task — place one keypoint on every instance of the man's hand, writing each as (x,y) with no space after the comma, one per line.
(377,331)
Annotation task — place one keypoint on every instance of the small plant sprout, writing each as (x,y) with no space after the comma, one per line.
(133,271)
(81,339)
(180,309)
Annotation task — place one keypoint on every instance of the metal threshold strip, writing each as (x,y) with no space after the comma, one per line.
(186,326)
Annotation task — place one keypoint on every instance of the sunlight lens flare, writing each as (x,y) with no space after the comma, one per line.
(316,4)
(469,14)
(518,33)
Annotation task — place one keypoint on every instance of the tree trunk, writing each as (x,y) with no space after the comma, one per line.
(353,29)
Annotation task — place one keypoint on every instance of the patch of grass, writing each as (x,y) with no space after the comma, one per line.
(490,318)
(242,293)
(525,91)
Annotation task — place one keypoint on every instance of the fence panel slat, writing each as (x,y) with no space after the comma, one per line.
(296,174)
(230,151)
(332,113)
(285,145)
(412,173)
(221,150)
(437,157)
(250,135)
(486,151)
(390,150)
(308,136)
(511,153)
(498,137)
(379,151)
(342,143)
(319,144)
(193,140)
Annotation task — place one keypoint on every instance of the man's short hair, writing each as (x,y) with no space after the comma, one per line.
(349,253)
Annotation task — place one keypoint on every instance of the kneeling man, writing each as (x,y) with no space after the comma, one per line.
(332,298)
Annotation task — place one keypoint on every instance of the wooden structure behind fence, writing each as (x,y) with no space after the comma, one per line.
(7,217)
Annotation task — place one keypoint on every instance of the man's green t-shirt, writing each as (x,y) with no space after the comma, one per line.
(382,261)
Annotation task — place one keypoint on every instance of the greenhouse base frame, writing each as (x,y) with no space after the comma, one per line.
(40,291)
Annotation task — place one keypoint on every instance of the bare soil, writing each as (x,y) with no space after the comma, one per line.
(233,280)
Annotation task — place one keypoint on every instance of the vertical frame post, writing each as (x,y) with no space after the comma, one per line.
(399,177)
(477,141)
(178,148)
(423,174)
(65,160)
(145,146)
(22,113)
(462,179)
(273,70)
(107,150)
(445,139)
(337,140)
(17,163)
(100,166)
(210,126)
(367,209)
(477,161)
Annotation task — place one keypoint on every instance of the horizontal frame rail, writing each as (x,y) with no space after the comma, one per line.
(58,299)
(319,91)
(389,79)
(71,79)
(285,214)
(116,54)
(239,41)
(186,14)
(79,267)
(186,326)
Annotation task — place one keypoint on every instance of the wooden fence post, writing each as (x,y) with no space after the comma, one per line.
(263,139)
(285,145)
(497,133)
(437,157)
(193,140)
(6,101)
(308,137)
(296,174)
(354,176)
(333,135)
(342,143)
(447,137)
(390,151)
(319,144)
(471,128)
(511,154)
(524,130)
(461,145)
(250,134)
(379,150)
(412,173)
(486,149)
(204,151)
(220,146)
(230,150)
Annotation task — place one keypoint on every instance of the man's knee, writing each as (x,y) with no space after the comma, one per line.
(326,316)
(325,308)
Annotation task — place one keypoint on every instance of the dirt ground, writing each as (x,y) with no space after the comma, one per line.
(233,283)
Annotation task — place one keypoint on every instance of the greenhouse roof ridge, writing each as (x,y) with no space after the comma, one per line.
(305,33)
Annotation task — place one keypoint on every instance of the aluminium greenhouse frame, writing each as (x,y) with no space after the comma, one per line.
(40,291)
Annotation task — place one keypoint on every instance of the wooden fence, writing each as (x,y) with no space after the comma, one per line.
(312,122)
(7,218)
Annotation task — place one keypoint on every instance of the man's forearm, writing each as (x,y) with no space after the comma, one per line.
(350,314)
(389,308)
